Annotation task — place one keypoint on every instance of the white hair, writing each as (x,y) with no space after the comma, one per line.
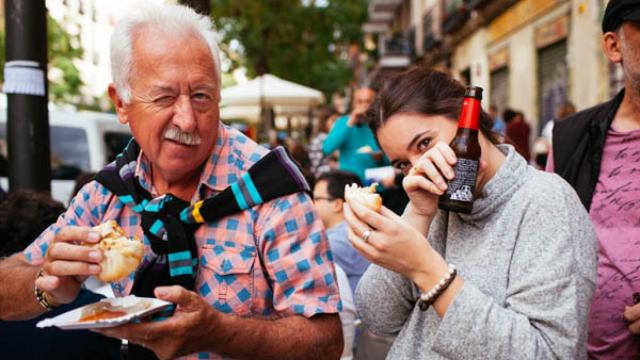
(172,19)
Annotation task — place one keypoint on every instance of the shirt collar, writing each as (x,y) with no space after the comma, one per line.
(215,174)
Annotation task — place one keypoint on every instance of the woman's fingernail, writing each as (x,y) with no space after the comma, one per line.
(94,269)
(95,255)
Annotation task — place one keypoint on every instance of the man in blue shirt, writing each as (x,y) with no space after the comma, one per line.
(328,196)
(354,140)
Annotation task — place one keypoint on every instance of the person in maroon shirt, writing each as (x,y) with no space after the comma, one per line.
(518,132)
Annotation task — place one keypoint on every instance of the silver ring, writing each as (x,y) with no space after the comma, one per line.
(366,235)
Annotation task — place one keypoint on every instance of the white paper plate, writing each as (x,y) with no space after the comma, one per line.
(71,319)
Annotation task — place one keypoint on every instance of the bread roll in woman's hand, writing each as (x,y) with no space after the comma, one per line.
(121,255)
(365,195)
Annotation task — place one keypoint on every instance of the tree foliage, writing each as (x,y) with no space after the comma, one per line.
(63,49)
(304,41)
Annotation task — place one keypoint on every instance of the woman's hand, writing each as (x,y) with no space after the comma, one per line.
(393,243)
(427,179)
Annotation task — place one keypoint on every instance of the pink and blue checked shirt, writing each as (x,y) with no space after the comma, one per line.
(284,234)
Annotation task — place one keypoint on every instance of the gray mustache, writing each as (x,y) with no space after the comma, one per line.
(181,137)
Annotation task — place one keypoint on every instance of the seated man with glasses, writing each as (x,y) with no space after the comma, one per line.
(328,195)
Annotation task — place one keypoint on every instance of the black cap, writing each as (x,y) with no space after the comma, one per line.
(619,11)
(474,92)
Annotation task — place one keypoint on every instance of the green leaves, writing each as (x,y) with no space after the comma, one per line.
(63,49)
(305,41)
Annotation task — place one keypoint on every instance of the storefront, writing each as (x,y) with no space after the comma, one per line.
(499,79)
(553,70)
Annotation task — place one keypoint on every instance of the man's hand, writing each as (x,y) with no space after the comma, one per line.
(357,116)
(632,315)
(378,156)
(186,332)
(67,264)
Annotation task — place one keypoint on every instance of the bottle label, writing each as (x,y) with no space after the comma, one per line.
(462,185)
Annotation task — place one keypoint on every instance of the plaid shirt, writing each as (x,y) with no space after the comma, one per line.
(284,234)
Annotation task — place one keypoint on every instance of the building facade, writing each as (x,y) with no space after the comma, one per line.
(529,55)
(92,21)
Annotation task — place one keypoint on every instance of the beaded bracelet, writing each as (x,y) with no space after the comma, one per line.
(426,299)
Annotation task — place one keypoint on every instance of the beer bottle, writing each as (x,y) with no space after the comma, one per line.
(460,192)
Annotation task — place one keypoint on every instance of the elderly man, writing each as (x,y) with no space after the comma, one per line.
(598,152)
(230,235)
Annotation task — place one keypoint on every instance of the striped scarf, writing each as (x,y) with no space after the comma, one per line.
(169,223)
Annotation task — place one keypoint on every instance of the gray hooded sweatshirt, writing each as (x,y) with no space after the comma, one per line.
(527,254)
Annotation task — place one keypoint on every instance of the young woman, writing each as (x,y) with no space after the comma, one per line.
(525,258)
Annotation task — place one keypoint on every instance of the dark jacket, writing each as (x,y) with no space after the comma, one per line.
(578,142)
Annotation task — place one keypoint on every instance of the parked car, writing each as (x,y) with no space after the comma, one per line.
(81,141)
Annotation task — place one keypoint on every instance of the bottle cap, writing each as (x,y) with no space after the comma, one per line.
(474,92)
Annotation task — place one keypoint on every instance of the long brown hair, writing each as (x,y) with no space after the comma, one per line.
(421,90)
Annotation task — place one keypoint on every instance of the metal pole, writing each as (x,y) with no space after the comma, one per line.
(27,94)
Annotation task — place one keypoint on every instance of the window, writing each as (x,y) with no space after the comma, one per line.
(465,76)
(69,152)
(553,80)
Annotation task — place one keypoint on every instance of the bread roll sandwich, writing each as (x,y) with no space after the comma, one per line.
(365,195)
(121,255)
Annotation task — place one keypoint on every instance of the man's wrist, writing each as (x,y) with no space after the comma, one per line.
(42,297)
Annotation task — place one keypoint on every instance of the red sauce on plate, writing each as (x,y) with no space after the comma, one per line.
(103,315)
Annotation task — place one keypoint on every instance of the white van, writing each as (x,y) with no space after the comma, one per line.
(81,141)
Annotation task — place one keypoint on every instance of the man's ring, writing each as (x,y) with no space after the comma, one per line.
(366,235)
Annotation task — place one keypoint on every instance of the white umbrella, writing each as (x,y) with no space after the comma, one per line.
(269,91)
(251,113)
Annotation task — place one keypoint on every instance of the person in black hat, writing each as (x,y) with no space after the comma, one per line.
(598,152)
